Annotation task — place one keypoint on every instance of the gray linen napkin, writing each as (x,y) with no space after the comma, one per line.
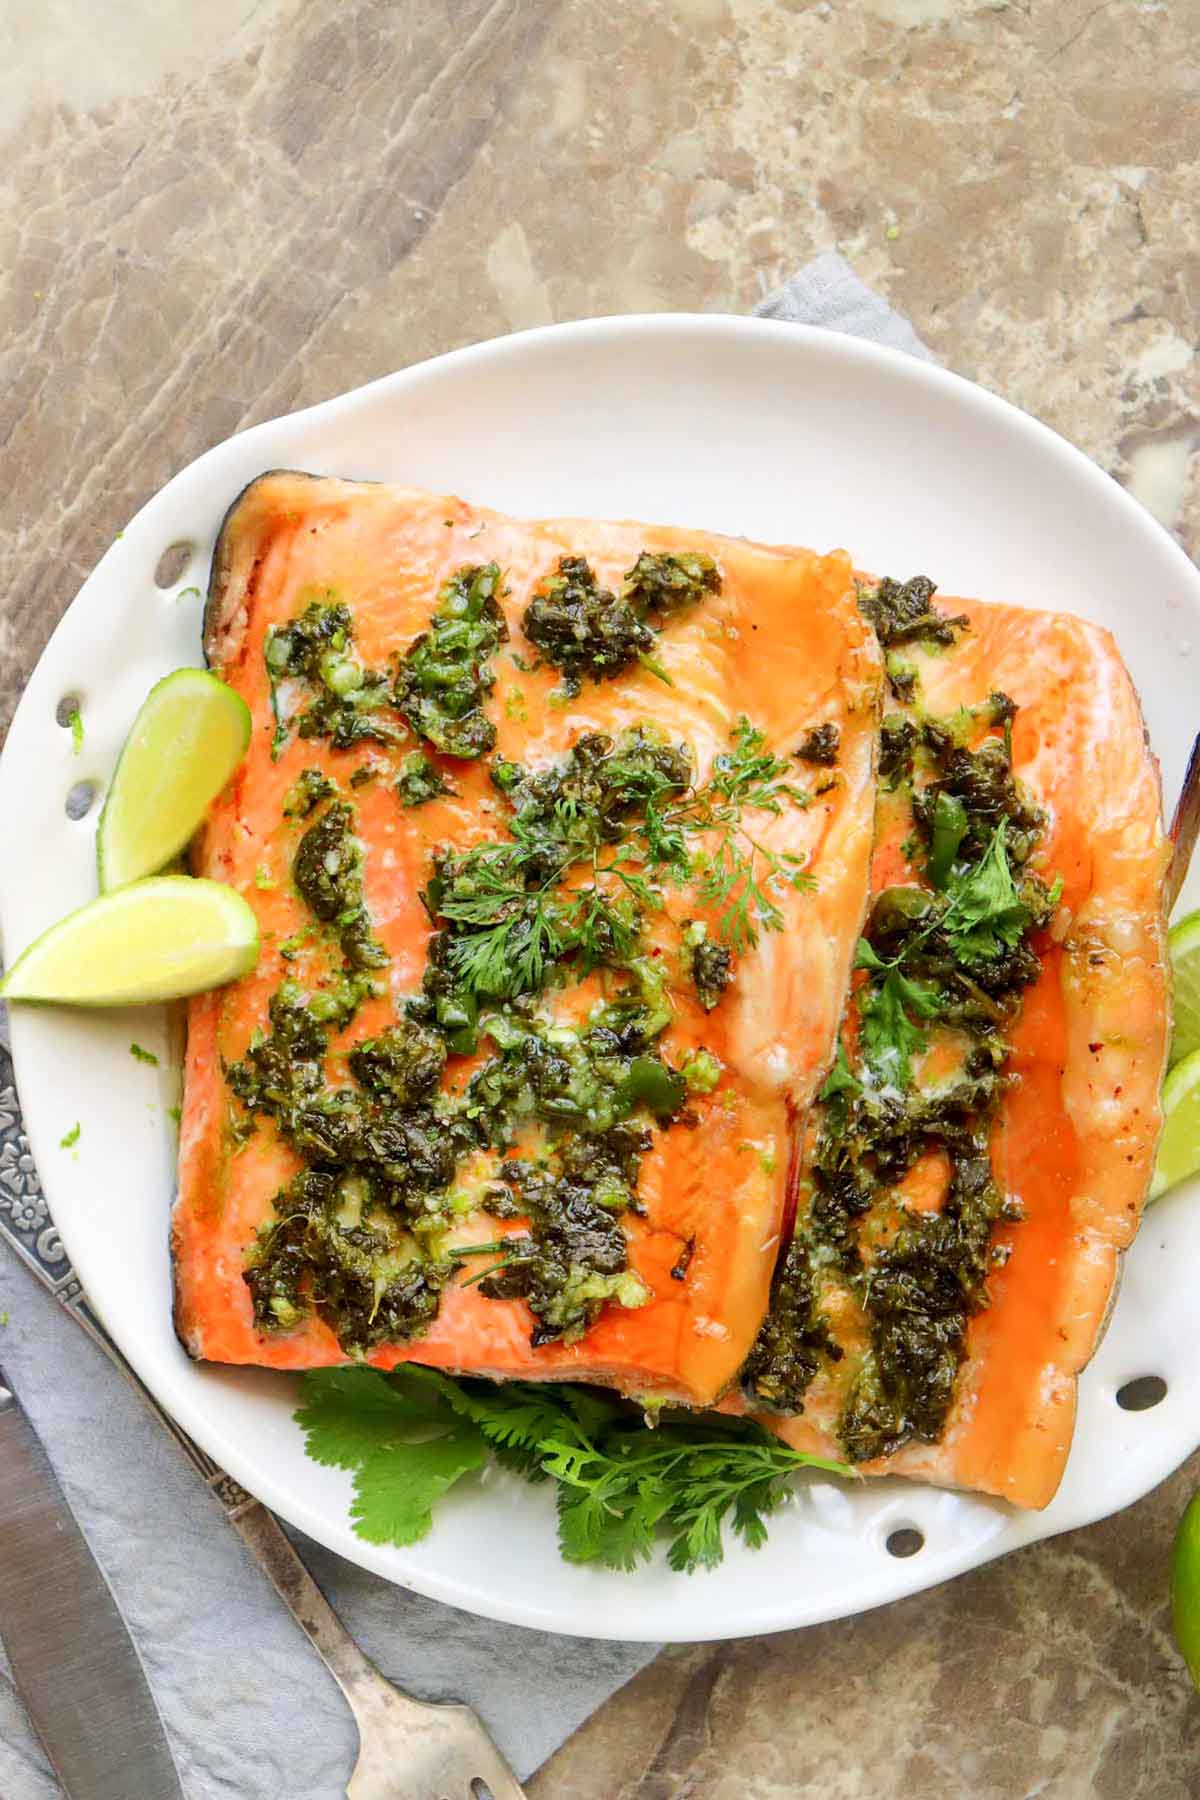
(250,1710)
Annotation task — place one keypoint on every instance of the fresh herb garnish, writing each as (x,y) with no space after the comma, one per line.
(445,675)
(820,746)
(327,871)
(740,875)
(584,629)
(316,650)
(957,953)
(419,780)
(632,813)
(891,1010)
(306,793)
(986,914)
(143,1056)
(69,1140)
(75,721)
(621,1487)
(903,613)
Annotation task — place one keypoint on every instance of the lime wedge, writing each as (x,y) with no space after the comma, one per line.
(1179,1148)
(155,940)
(1185,1588)
(1183,942)
(189,737)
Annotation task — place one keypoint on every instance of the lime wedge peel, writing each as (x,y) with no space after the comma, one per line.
(187,740)
(1179,1146)
(1185,1588)
(1183,942)
(154,940)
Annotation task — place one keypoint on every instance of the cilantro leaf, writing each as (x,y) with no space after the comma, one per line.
(349,1414)
(986,915)
(515,1419)
(396,1490)
(891,1037)
(841,1078)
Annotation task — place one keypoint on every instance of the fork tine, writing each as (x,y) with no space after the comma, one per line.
(488,1764)
(500,1779)
(427,1752)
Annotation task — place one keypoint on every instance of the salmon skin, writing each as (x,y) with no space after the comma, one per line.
(771,645)
(1073,1139)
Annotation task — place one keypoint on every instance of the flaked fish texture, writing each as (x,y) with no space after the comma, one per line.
(395,762)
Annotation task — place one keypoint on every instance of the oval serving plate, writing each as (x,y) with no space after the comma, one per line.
(772,430)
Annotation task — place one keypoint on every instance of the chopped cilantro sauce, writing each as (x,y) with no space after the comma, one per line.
(584,629)
(953,950)
(314,655)
(438,687)
(445,676)
(591,847)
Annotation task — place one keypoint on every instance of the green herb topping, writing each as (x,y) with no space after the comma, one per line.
(953,954)
(445,677)
(315,651)
(327,872)
(659,585)
(821,746)
(904,613)
(584,629)
(306,793)
(595,843)
(710,964)
(631,814)
(419,780)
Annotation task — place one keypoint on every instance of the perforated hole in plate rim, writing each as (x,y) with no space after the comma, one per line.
(905,1541)
(172,563)
(80,799)
(1140,1394)
(66,709)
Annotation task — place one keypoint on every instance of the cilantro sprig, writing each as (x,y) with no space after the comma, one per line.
(982,915)
(621,1487)
(891,1010)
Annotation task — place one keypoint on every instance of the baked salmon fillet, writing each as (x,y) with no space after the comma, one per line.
(558,835)
(984,1147)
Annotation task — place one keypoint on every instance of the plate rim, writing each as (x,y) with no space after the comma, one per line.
(902,1578)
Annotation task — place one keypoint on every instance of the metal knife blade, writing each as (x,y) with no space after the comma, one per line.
(73,1660)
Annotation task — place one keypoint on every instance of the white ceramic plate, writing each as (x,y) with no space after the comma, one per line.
(772,430)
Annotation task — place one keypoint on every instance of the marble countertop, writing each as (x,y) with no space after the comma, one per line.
(210,215)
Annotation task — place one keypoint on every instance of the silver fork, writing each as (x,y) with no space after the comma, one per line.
(407,1749)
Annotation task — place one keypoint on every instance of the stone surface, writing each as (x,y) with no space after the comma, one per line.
(210,215)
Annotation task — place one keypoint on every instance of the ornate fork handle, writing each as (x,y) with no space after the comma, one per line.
(29,1231)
